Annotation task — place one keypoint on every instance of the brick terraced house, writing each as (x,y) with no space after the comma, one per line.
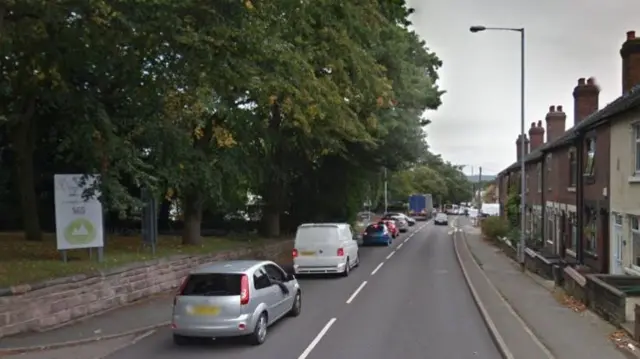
(577,175)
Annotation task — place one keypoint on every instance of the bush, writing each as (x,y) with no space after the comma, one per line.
(494,227)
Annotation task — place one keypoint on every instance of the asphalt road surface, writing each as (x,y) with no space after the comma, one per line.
(408,301)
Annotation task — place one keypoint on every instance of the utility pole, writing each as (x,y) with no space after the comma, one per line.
(480,188)
(386,197)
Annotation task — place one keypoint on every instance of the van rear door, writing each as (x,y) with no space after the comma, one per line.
(317,241)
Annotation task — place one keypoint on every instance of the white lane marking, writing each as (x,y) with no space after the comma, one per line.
(377,268)
(392,253)
(353,296)
(406,240)
(399,246)
(317,339)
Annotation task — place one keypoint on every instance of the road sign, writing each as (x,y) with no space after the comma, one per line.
(78,220)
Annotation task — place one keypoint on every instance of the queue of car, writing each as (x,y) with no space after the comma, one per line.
(245,297)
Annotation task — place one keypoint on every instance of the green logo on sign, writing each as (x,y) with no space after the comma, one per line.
(80,231)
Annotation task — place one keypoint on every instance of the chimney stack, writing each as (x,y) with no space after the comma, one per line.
(585,99)
(536,135)
(526,146)
(555,119)
(630,53)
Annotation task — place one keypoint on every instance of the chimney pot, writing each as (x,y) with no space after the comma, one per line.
(555,123)
(540,123)
(581,81)
(585,100)
(630,53)
(533,125)
(552,109)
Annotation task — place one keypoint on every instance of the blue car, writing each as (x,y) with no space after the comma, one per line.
(377,234)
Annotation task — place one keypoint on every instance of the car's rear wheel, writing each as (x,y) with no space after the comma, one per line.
(297,305)
(259,335)
(347,268)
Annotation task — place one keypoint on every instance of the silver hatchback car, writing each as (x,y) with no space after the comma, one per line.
(234,298)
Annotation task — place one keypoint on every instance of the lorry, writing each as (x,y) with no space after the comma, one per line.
(421,206)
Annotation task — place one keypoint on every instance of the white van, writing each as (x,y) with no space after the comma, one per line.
(325,248)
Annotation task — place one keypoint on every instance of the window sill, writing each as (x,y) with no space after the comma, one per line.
(633,270)
(571,253)
(634,179)
(571,189)
(591,254)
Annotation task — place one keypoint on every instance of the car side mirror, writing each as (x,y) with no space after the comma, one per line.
(290,277)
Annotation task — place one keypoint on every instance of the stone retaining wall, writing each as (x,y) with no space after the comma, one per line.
(39,307)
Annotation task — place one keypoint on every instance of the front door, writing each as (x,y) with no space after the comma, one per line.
(617,244)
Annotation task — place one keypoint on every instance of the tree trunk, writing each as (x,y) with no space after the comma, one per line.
(271,218)
(22,138)
(164,213)
(192,207)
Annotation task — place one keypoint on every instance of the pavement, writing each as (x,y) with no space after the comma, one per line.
(532,323)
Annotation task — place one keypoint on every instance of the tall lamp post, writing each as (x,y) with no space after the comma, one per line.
(523,150)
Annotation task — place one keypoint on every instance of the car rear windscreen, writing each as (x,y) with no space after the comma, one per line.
(212,284)
(374,228)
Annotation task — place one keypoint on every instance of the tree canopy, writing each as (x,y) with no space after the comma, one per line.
(204,103)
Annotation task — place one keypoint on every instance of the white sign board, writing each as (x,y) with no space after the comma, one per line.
(78,221)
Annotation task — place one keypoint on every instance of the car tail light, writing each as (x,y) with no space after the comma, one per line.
(244,290)
(180,289)
(340,252)
(294,253)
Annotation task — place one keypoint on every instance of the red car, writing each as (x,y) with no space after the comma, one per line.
(391,225)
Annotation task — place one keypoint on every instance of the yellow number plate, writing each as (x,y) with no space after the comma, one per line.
(206,310)
(307,253)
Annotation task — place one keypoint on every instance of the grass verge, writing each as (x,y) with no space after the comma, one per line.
(23,262)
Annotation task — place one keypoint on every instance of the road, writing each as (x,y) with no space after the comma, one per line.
(407,301)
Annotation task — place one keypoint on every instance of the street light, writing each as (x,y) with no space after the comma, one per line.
(523,151)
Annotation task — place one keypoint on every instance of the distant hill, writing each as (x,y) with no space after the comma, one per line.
(485,178)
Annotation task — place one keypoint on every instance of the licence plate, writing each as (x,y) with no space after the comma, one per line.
(308,253)
(205,310)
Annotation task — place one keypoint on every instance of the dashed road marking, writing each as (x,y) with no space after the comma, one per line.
(377,268)
(353,296)
(392,253)
(400,246)
(317,339)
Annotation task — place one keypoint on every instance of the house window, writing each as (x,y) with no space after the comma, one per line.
(539,169)
(573,168)
(551,230)
(574,233)
(635,239)
(591,157)
(549,167)
(591,231)
(636,147)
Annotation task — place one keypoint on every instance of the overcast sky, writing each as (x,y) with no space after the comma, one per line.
(479,121)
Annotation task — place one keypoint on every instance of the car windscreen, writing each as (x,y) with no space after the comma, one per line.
(374,228)
(212,284)
(441,216)
(309,235)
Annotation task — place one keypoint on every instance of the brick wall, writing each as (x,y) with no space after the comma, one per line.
(63,300)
